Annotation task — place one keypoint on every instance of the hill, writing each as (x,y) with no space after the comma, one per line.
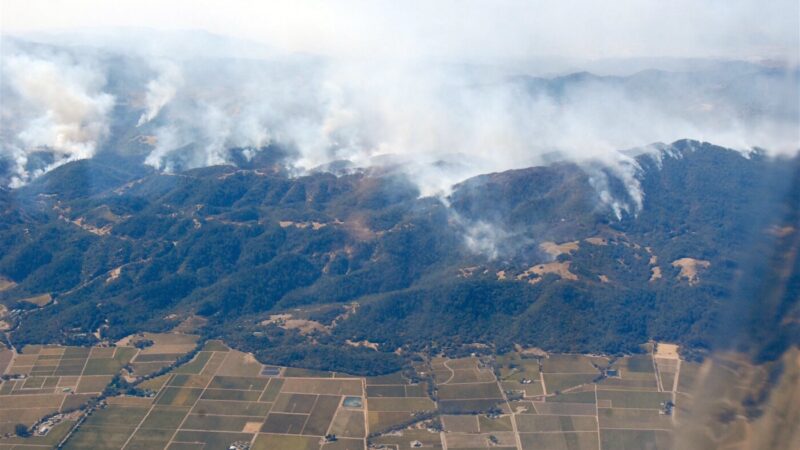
(346,272)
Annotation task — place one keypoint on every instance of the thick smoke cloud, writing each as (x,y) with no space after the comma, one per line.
(446,123)
(441,123)
(53,103)
(477,31)
(161,90)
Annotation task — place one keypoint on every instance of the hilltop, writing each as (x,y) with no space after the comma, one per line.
(351,271)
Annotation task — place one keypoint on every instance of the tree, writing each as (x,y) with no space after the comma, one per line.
(143,343)
(21,430)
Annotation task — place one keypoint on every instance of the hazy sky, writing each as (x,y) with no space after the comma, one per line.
(479,31)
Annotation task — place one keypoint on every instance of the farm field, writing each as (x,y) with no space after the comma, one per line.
(46,380)
(223,397)
(218,397)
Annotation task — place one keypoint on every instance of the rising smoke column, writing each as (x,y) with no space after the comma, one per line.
(161,90)
(59,107)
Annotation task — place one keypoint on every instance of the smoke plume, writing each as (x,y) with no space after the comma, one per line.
(442,123)
(58,105)
(161,90)
(447,123)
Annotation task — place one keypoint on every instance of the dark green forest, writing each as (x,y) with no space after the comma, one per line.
(124,249)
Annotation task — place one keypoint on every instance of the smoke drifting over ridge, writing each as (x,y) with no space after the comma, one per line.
(51,103)
(161,90)
(441,123)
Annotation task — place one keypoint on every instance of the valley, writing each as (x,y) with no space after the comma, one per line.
(176,394)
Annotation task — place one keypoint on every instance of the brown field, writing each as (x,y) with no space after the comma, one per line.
(394,378)
(690,269)
(535,273)
(583,396)
(666,351)
(221,396)
(93,384)
(165,342)
(191,381)
(554,250)
(231,394)
(625,383)
(538,423)
(634,399)
(144,369)
(388,390)
(5,284)
(471,376)
(646,419)
(238,364)
(565,409)
(238,383)
(561,441)
(272,390)
(466,423)
(349,423)
(636,439)
(469,391)
(38,300)
(471,441)
(597,240)
(155,384)
(571,364)
(494,424)
(345,444)
(295,403)
(534,389)
(284,423)
(58,379)
(561,382)
(517,369)
(210,439)
(215,423)
(323,386)
(381,420)
(400,404)
(232,408)
(164,417)
(470,406)
(178,396)
(322,415)
(404,438)
(275,441)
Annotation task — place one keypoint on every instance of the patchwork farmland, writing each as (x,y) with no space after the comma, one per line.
(178,394)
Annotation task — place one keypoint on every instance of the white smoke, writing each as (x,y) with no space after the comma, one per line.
(443,123)
(484,238)
(625,169)
(161,90)
(446,123)
(59,106)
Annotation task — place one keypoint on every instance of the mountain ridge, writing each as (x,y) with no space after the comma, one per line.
(144,250)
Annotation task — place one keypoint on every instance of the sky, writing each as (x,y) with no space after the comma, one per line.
(384,89)
(463,30)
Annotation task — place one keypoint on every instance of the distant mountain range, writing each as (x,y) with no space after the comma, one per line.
(353,271)
(185,100)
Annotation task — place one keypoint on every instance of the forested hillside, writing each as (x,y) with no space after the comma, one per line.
(537,257)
